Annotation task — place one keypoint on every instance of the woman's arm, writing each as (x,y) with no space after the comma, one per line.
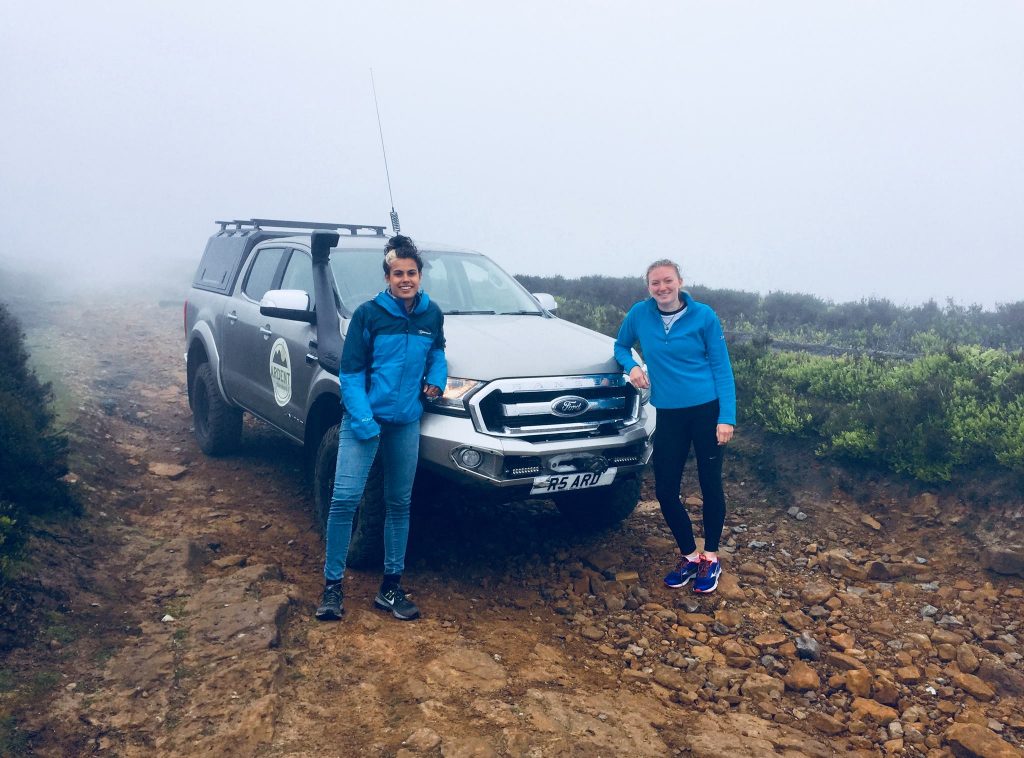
(624,344)
(624,354)
(721,370)
(355,363)
(436,371)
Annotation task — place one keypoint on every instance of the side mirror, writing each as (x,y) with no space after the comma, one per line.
(547,302)
(291,305)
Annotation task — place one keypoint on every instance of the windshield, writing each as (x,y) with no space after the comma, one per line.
(460,283)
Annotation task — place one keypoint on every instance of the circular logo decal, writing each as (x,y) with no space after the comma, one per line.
(281,372)
(569,405)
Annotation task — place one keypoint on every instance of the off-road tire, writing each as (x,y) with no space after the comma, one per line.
(601,507)
(217,425)
(366,550)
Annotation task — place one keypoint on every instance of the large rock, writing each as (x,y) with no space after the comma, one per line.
(858,682)
(729,588)
(468,747)
(1005,679)
(169,569)
(796,620)
(842,661)
(466,669)
(973,685)
(761,687)
(732,734)
(558,719)
(1004,559)
(168,470)
(802,678)
(669,677)
(825,724)
(975,741)
(817,592)
(422,740)
(839,564)
(872,709)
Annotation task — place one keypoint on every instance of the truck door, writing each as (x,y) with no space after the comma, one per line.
(292,396)
(246,343)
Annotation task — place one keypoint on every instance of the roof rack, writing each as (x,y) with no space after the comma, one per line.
(259,223)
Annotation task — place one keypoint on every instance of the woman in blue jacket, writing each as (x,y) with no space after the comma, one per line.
(692,387)
(393,356)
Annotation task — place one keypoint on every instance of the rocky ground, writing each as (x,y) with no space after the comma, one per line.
(175,618)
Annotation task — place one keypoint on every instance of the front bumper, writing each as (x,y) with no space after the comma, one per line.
(516,461)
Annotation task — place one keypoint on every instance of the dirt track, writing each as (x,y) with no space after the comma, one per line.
(192,584)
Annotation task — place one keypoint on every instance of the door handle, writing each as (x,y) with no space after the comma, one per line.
(232,317)
(266,331)
(311,358)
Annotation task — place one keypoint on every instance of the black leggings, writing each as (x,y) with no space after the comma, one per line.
(677,429)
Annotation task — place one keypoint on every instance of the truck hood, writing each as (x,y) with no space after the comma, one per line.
(495,347)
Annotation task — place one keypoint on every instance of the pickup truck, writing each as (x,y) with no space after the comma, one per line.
(535,407)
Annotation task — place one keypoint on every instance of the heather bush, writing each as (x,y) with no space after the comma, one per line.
(928,417)
(33,456)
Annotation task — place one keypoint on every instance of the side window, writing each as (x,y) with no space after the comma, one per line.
(298,275)
(262,272)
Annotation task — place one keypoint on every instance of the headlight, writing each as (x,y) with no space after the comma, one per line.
(455,394)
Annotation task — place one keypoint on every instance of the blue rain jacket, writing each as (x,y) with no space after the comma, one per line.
(689,365)
(389,354)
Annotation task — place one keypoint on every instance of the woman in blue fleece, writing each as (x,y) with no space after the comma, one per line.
(692,387)
(393,356)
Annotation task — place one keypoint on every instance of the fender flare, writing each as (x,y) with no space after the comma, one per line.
(202,334)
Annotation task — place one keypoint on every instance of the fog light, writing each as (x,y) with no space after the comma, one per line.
(470,458)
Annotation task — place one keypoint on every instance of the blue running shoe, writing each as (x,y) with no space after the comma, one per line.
(681,574)
(707,576)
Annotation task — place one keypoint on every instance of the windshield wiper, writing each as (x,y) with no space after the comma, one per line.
(520,313)
(469,313)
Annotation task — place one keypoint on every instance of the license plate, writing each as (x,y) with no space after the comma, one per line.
(544,485)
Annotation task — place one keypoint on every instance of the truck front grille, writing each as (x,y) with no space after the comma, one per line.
(547,406)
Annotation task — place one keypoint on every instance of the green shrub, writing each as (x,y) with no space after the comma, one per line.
(926,418)
(33,456)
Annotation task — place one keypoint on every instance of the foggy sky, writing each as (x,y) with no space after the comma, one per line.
(846,149)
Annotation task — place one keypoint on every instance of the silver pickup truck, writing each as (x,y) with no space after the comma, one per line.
(534,407)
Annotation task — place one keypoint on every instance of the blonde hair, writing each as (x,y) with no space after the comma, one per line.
(659,264)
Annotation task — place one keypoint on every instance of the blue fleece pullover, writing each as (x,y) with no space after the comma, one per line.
(389,354)
(689,365)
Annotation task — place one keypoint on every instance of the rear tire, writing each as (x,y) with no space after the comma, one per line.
(601,507)
(217,425)
(366,550)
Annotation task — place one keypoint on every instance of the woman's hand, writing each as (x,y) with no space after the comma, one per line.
(638,378)
(724,432)
(431,392)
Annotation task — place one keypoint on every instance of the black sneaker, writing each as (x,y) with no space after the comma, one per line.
(394,600)
(330,606)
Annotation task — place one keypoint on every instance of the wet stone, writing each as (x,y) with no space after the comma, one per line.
(807,648)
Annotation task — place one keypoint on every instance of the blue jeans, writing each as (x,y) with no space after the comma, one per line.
(400,445)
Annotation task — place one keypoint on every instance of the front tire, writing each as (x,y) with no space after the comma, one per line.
(366,550)
(217,425)
(601,507)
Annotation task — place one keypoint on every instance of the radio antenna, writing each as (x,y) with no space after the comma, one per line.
(394,214)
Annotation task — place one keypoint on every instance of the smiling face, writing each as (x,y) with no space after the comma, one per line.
(664,284)
(403,279)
